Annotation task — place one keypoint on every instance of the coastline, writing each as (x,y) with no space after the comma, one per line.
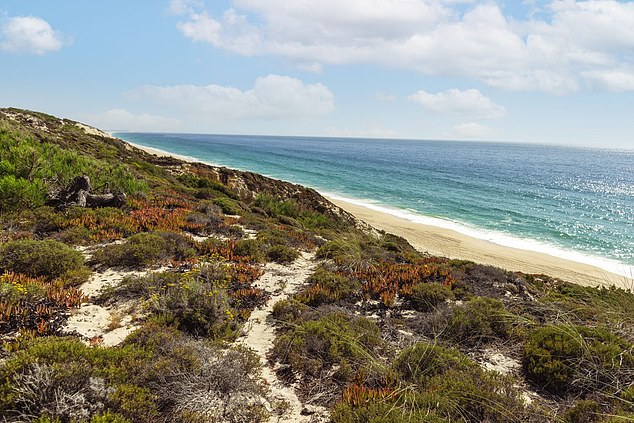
(446,242)
(452,244)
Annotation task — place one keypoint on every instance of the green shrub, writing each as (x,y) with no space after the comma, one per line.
(436,384)
(565,358)
(109,417)
(275,207)
(290,311)
(384,411)
(135,402)
(249,248)
(478,395)
(49,259)
(228,205)
(340,250)
(18,193)
(336,339)
(328,287)
(43,377)
(427,296)
(29,159)
(139,250)
(479,320)
(178,246)
(139,287)
(422,361)
(583,411)
(77,235)
(282,254)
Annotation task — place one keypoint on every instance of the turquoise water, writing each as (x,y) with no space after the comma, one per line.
(575,203)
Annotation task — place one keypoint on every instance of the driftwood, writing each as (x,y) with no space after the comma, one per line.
(77,193)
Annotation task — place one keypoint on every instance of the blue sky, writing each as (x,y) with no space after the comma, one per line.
(522,71)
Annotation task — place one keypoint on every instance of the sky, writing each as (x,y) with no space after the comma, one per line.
(556,72)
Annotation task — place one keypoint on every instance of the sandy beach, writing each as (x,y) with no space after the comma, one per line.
(452,244)
(448,243)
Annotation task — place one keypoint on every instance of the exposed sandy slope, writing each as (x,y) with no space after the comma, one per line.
(259,334)
(101,325)
(452,244)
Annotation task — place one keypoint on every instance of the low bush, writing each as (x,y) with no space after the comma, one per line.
(314,347)
(427,296)
(479,320)
(565,359)
(367,409)
(583,411)
(341,250)
(78,235)
(251,249)
(159,374)
(36,305)
(420,362)
(211,300)
(282,254)
(61,378)
(177,245)
(145,249)
(275,207)
(290,311)
(328,287)
(228,206)
(18,193)
(435,384)
(48,259)
(139,250)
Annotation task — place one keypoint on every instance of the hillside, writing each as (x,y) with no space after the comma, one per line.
(220,295)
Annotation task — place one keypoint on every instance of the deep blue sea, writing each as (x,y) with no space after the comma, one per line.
(575,203)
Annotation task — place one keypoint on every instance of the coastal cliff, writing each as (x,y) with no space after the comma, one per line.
(214,294)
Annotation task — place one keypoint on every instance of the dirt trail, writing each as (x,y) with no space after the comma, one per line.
(281,281)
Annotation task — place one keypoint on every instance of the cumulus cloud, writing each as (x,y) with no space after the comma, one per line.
(472,130)
(615,80)
(121,119)
(472,39)
(29,35)
(272,97)
(467,102)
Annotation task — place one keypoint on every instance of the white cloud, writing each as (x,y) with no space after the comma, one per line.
(472,130)
(30,35)
(120,119)
(468,102)
(182,7)
(473,40)
(272,97)
(615,80)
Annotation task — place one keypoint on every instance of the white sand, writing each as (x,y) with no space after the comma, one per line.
(95,323)
(282,281)
(448,243)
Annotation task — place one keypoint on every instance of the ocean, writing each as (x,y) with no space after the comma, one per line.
(573,203)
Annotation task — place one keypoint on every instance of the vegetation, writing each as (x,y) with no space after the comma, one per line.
(377,333)
(49,259)
(145,249)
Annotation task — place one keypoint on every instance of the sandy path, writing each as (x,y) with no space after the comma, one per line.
(107,326)
(452,244)
(282,281)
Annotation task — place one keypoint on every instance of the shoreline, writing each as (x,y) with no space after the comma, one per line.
(446,242)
